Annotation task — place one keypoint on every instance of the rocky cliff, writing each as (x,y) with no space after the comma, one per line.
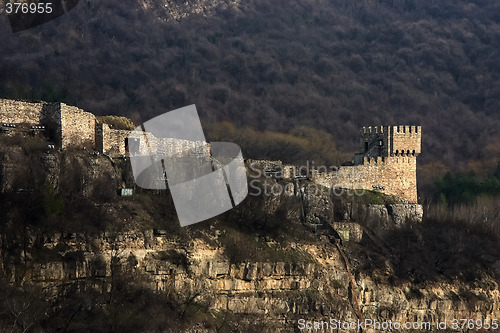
(276,263)
(313,284)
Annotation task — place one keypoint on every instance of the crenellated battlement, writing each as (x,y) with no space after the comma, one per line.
(399,129)
(388,141)
(374,129)
(410,130)
(387,162)
(405,140)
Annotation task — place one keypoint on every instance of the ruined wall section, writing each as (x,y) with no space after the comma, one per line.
(18,112)
(33,113)
(111,141)
(77,127)
(119,142)
(393,176)
(172,147)
(176,147)
(68,126)
(116,142)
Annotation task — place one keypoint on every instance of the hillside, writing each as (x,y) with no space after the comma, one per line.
(285,79)
(273,65)
(75,256)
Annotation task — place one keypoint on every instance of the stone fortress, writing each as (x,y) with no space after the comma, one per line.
(251,287)
(387,162)
(68,127)
(63,125)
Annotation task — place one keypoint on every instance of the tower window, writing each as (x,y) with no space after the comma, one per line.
(366,146)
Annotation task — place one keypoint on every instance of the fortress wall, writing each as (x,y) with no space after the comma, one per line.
(177,147)
(151,145)
(257,168)
(111,141)
(114,143)
(77,127)
(398,175)
(33,113)
(17,112)
(406,139)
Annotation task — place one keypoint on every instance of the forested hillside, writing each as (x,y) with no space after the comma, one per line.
(274,65)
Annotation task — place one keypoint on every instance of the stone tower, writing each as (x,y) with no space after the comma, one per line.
(387,163)
(389,141)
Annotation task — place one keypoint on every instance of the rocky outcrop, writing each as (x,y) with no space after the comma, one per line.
(324,206)
(307,274)
(279,291)
(381,217)
(176,10)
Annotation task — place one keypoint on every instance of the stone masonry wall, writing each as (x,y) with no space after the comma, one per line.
(33,113)
(397,175)
(116,141)
(112,141)
(172,147)
(151,145)
(20,112)
(66,125)
(405,139)
(77,127)
(395,140)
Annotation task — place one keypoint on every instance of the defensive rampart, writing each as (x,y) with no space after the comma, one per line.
(392,175)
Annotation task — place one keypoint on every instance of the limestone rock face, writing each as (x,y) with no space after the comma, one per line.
(298,279)
(276,291)
(383,217)
(90,169)
(401,213)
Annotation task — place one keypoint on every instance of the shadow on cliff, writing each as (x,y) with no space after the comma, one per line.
(430,252)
